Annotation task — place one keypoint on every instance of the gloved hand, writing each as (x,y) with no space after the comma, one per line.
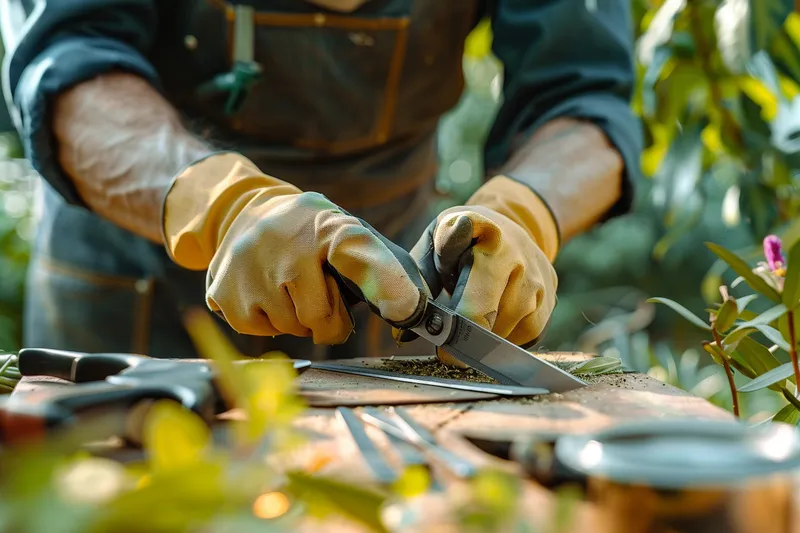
(271,251)
(493,256)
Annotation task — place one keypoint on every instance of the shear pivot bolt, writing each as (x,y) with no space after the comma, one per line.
(434,324)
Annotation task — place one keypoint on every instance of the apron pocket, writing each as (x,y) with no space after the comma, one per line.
(74,309)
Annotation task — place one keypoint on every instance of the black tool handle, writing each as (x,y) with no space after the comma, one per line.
(31,417)
(77,367)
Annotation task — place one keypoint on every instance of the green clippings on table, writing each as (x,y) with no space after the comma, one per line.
(9,373)
(434,368)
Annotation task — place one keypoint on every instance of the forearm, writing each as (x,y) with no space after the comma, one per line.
(574,168)
(121,144)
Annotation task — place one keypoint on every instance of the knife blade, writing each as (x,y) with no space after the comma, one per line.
(493,355)
(484,388)
(372,456)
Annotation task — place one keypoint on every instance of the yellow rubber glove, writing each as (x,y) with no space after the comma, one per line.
(493,256)
(272,252)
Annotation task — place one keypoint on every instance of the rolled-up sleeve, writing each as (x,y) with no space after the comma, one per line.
(566,58)
(65,43)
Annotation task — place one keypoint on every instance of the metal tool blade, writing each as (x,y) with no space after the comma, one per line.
(409,455)
(493,355)
(487,388)
(458,466)
(372,456)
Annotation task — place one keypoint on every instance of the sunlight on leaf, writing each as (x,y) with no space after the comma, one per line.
(758,358)
(413,482)
(792,27)
(212,344)
(789,88)
(273,402)
(174,437)
(776,375)
(788,415)
(681,310)
(761,95)
(479,41)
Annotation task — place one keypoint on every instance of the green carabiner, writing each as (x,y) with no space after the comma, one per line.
(245,72)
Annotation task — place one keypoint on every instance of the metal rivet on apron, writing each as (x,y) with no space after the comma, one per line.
(142,286)
(319,19)
(361,39)
(190,41)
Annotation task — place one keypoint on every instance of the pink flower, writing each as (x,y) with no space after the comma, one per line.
(773,252)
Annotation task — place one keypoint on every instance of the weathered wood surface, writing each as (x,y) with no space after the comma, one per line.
(452,417)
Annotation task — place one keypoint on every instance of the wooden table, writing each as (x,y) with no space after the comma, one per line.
(455,417)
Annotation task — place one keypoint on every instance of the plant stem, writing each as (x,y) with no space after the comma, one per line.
(732,385)
(728,372)
(793,348)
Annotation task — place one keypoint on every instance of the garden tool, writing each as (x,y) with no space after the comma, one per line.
(479,348)
(399,423)
(487,388)
(689,475)
(107,383)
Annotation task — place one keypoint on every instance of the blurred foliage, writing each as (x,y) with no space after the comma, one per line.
(734,330)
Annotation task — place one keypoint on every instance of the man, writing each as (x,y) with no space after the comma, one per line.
(256,158)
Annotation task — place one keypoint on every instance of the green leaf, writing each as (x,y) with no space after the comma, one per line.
(776,375)
(726,316)
(788,415)
(681,310)
(766,20)
(741,303)
(739,266)
(597,366)
(174,436)
(791,284)
(414,481)
(774,335)
(714,351)
(783,327)
(324,495)
(767,317)
(757,356)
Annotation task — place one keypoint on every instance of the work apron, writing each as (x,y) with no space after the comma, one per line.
(347,104)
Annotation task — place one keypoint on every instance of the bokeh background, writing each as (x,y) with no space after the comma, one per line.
(718,87)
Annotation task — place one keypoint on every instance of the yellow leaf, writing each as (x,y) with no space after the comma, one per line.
(212,344)
(760,94)
(789,88)
(479,41)
(651,157)
(414,482)
(711,138)
(174,437)
(272,401)
(792,26)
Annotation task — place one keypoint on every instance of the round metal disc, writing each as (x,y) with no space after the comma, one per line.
(680,453)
